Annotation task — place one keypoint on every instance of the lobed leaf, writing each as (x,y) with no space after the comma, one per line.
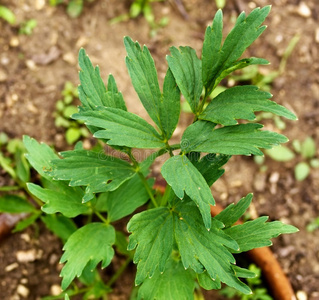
(63,199)
(257,233)
(60,225)
(210,166)
(121,128)
(39,155)
(240,102)
(174,283)
(154,232)
(92,91)
(97,171)
(141,68)
(153,237)
(183,176)
(78,255)
(132,194)
(205,250)
(242,139)
(219,61)
(233,212)
(187,70)
(169,109)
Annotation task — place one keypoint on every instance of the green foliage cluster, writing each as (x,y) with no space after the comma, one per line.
(143,7)
(65,107)
(175,242)
(255,284)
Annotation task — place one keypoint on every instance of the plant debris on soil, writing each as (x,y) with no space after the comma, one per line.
(34,69)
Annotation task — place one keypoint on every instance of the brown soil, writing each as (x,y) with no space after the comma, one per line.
(33,70)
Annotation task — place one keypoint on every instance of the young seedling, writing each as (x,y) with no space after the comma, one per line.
(174,242)
(65,107)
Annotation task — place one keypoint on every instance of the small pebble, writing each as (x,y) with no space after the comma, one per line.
(14,42)
(55,290)
(301,295)
(69,58)
(39,4)
(3,76)
(26,256)
(23,291)
(274,177)
(31,64)
(11,267)
(304,10)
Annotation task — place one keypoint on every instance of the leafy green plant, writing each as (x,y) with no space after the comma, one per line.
(255,284)
(64,109)
(174,242)
(28,26)
(142,7)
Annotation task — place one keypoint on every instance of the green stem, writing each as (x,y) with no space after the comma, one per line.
(119,272)
(201,106)
(143,179)
(101,217)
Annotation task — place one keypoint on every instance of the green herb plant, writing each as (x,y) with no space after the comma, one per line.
(65,107)
(143,7)
(255,284)
(175,242)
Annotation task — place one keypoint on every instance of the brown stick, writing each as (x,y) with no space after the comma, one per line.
(271,269)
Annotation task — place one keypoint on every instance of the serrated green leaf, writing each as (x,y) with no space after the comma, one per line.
(219,60)
(92,91)
(121,128)
(182,176)
(60,225)
(242,139)
(153,237)
(240,102)
(174,283)
(97,171)
(14,204)
(257,233)
(233,212)
(187,70)
(39,155)
(170,107)
(154,232)
(141,68)
(210,166)
(211,48)
(78,255)
(114,97)
(132,194)
(201,249)
(23,224)
(280,153)
(243,273)
(63,199)
(206,282)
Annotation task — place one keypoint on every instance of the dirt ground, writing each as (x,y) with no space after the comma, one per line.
(33,70)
